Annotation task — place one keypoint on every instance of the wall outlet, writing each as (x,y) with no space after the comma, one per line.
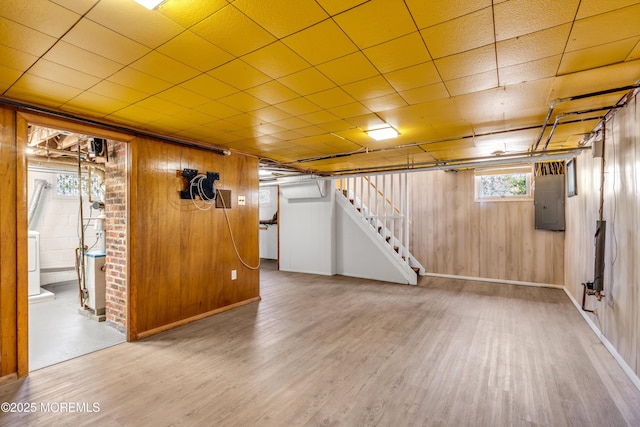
(234,274)
(241,201)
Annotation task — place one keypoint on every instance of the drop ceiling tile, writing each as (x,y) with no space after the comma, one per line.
(366,122)
(291,124)
(189,12)
(298,107)
(217,109)
(79,6)
(348,69)
(276,60)
(222,29)
(243,101)
(136,114)
(474,83)
(453,36)
(307,81)
(321,43)
(93,37)
(136,22)
(268,129)
(139,81)
(597,56)
(276,17)
(429,13)
(369,88)
(390,18)
(319,117)
(93,104)
(43,16)
(184,97)
(596,7)
(513,18)
(270,114)
(16,59)
(82,60)
(163,67)
(193,50)
(336,126)
(240,75)
(244,120)
(272,92)
(529,71)
(331,98)
(635,53)
(349,110)
(289,135)
(224,126)
(533,46)
(333,7)
(31,88)
(194,116)
(23,38)
(8,76)
(61,74)
(399,53)
(414,77)
(425,93)
(597,30)
(209,86)
(160,105)
(384,103)
(464,64)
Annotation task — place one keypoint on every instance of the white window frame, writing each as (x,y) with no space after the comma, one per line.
(507,170)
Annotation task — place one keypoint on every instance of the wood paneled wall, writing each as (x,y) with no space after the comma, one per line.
(452,234)
(618,313)
(182,257)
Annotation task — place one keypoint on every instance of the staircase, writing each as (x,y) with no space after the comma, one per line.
(380,204)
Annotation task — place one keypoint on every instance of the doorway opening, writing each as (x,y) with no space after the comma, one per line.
(77,244)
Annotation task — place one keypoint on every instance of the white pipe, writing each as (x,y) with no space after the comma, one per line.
(38,186)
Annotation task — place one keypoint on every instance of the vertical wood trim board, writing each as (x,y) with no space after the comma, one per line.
(8,244)
(181,256)
(454,235)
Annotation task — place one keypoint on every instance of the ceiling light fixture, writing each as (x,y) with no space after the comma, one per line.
(383,133)
(149,4)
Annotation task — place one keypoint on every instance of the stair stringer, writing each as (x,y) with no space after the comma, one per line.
(359,241)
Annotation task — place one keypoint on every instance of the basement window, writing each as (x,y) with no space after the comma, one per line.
(503,184)
(67,185)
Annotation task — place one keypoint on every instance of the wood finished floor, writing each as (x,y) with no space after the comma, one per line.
(340,351)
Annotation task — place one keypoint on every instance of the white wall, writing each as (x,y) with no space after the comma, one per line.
(268,232)
(57,221)
(307,234)
(358,256)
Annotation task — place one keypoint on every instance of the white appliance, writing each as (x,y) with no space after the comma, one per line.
(33,243)
(96,282)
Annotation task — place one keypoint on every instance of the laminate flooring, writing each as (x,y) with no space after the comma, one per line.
(323,351)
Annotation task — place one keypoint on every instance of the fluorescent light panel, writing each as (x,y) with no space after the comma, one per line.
(384,133)
(149,4)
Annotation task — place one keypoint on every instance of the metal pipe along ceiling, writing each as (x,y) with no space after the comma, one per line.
(575,98)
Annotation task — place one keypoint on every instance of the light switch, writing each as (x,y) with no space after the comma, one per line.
(241,201)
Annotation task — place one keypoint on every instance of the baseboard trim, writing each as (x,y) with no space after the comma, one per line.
(154,331)
(623,364)
(502,281)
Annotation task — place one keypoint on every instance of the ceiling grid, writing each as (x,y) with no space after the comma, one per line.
(295,80)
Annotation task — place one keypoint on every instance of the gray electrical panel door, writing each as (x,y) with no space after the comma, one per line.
(549,202)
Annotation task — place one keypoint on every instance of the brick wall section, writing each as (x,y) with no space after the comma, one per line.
(116,235)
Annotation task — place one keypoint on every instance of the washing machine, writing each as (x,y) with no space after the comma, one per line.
(33,243)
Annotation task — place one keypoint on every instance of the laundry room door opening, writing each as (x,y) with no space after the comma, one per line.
(77,242)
